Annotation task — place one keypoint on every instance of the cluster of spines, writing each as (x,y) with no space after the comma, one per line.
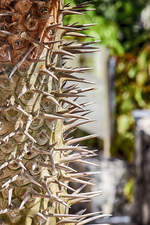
(33,162)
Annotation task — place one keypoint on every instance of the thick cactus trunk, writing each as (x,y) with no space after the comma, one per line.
(29,127)
(34,121)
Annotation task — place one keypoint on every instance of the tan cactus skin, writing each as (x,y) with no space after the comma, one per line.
(34,149)
(25,129)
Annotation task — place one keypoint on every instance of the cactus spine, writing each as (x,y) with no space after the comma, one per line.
(37,112)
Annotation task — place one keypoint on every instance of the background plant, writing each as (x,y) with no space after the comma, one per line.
(118,26)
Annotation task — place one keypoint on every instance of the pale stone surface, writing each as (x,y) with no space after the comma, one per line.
(111,181)
(98,62)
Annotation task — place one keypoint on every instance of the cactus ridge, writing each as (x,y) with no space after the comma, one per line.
(38,110)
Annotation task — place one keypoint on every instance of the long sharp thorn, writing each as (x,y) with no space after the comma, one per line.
(70,88)
(90,214)
(53,26)
(67,4)
(52,163)
(49,73)
(70,12)
(65,185)
(76,79)
(63,52)
(74,34)
(68,127)
(75,140)
(59,166)
(72,148)
(24,201)
(84,174)
(5,164)
(31,179)
(80,188)
(68,115)
(52,42)
(85,201)
(47,189)
(80,181)
(10,196)
(79,51)
(5,32)
(60,215)
(42,216)
(91,219)
(52,99)
(71,121)
(92,193)
(67,221)
(70,94)
(70,159)
(72,103)
(21,61)
(81,212)
(55,198)
(65,135)
(75,70)
(69,28)
(87,162)
(10,181)
(29,136)
(3,211)
(72,196)
(78,47)
(67,168)
(6,13)
(86,89)
(42,152)
(51,116)
(88,25)
(90,42)
(22,165)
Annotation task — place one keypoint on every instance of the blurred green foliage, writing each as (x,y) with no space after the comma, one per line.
(132,87)
(118,23)
(129,190)
(119,28)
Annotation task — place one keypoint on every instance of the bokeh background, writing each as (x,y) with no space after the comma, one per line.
(121,71)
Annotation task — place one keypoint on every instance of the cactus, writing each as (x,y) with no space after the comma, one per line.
(37,112)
